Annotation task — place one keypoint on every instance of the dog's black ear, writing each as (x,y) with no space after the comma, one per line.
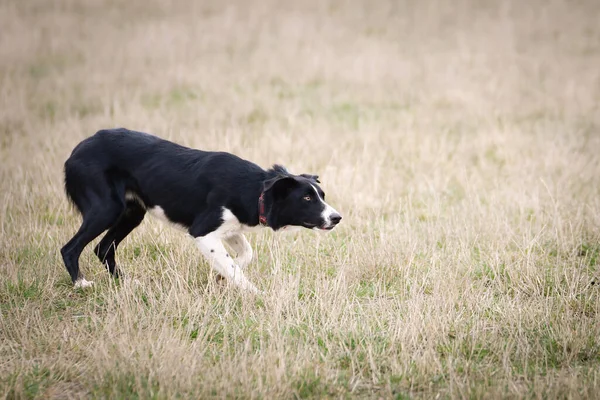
(311,177)
(280,186)
(280,170)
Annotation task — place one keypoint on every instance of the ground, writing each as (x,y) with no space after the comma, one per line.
(459,140)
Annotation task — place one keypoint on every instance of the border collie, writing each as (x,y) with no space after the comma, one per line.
(115,176)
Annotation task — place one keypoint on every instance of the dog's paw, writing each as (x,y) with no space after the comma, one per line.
(82,283)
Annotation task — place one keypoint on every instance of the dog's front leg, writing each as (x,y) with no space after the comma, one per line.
(242,248)
(212,248)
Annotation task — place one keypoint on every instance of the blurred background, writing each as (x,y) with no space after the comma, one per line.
(459,140)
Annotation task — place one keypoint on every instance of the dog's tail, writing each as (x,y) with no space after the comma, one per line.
(89,177)
(71,185)
(75,181)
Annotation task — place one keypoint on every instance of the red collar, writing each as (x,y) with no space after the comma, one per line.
(262,218)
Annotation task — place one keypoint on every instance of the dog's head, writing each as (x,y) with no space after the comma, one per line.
(298,200)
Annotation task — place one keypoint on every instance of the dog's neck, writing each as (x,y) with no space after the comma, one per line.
(262,216)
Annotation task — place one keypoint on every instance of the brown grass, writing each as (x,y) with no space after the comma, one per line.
(460,140)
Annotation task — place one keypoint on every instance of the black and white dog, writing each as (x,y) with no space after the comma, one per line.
(115,176)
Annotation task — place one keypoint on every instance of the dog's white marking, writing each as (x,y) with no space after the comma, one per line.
(328,211)
(132,196)
(158,213)
(242,248)
(232,226)
(212,248)
(82,283)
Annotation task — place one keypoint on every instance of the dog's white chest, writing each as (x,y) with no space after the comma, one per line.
(232,226)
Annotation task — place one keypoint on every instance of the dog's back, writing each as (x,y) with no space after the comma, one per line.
(105,162)
(153,169)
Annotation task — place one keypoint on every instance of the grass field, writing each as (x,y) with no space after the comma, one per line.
(460,141)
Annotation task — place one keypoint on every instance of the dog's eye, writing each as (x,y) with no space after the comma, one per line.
(307,198)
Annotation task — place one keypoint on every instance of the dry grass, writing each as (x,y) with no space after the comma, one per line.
(460,141)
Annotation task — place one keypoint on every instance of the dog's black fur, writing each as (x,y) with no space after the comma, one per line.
(115,176)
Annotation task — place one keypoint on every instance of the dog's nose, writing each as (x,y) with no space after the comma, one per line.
(335,218)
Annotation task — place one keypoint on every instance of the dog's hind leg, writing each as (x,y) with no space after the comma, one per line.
(98,216)
(242,248)
(129,220)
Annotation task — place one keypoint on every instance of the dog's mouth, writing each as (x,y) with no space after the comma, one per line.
(324,227)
